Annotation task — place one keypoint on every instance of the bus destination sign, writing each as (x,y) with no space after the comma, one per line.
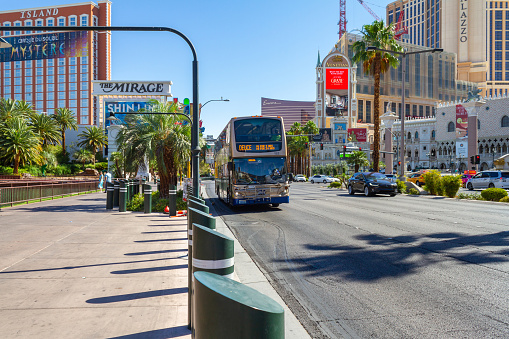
(259,147)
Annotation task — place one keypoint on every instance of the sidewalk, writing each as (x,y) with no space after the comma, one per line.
(71,269)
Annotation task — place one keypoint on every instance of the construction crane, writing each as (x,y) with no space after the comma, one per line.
(400,28)
(342,18)
(369,10)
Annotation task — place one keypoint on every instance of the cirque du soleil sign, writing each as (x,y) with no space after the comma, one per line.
(45,46)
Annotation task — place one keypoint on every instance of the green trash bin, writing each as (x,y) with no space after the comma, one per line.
(226,309)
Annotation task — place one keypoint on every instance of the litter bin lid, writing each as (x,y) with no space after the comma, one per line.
(238,292)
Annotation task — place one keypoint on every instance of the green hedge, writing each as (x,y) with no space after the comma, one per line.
(137,203)
(504,199)
(450,185)
(401,186)
(493,194)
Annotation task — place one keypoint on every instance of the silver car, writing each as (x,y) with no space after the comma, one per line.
(322,178)
(489,179)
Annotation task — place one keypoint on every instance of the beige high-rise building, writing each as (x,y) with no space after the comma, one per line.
(476,30)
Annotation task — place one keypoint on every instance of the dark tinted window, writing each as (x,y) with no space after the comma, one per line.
(257,130)
(505,174)
(493,174)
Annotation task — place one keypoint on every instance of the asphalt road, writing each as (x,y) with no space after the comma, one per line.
(383,267)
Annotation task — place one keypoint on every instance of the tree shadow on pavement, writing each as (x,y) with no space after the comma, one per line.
(173,332)
(392,257)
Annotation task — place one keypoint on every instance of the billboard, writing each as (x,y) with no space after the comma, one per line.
(462,148)
(358,134)
(323,136)
(119,107)
(45,46)
(340,126)
(106,87)
(336,79)
(461,121)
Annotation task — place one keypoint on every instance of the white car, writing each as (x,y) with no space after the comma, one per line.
(300,178)
(322,178)
(488,179)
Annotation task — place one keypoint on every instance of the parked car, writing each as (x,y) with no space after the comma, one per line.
(416,178)
(392,177)
(464,179)
(332,179)
(488,179)
(322,178)
(371,183)
(300,178)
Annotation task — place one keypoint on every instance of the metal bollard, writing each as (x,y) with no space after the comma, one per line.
(147,191)
(122,196)
(194,216)
(192,197)
(226,309)
(116,186)
(109,196)
(199,206)
(172,200)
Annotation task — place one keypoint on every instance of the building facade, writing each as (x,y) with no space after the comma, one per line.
(290,111)
(55,70)
(477,31)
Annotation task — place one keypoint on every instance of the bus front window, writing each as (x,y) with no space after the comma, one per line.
(260,170)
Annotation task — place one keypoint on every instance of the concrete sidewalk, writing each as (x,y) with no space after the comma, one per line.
(71,269)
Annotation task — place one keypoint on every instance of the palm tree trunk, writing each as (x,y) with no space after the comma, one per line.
(16,164)
(376,115)
(63,142)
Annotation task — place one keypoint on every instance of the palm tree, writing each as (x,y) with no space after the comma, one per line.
(310,128)
(46,128)
(157,137)
(376,62)
(94,138)
(84,155)
(18,142)
(65,120)
(10,108)
(358,158)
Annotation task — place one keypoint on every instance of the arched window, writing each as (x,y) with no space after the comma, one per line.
(499,149)
(486,149)
(505,121)
(433,134)
(504,148)
(478,124)
(480,149)
(409,136)
(416,154)
(416,135)
(440,151)
(450,127)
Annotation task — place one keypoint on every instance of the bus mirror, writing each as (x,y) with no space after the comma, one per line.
(230,166)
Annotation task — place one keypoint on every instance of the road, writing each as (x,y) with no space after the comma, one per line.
(382,267)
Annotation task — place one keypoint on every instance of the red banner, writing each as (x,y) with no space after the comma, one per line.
(358,134)
(461,121)
(336,78)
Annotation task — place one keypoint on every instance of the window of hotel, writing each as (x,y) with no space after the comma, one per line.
(72,95)
(28,96)
(61,87)
(498,45)
(61,95)
(38,63)
(28,80)
(72,61)
(61,103)
(360,112)
(84,68)
(17,81)
(38,71)
(17,96)
(7,23)
(61,21)
(50,104)
(61,70)
(50,87)
(84,85)
(28,88)
(17,89)
(84,60)
(505,121)
(72,86)
(7,81)
(368,112)
(73,103)
(84,76)
(61,78)
(50,71)
(28,72)
(17,23)
(498,75)
(39,96)
(50,79)
(72,69)
(72,20)
(61,62)
(84,118)
(7,90)
(450,127)
(50,22)
(28,23)
(84,103)
(38,22)
(50,96)
(84,20)
(38,80)
(7,66)
(72,77)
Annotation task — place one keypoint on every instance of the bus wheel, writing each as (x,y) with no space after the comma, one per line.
(275,205)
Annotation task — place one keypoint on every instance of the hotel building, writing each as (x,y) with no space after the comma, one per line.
(56,70)
(477,31)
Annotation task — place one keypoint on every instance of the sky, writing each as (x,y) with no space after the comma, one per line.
(246,50)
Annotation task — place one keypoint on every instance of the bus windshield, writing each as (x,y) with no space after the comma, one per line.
(259,170)
(257,130)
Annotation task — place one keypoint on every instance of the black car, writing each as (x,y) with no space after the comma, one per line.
(371,183)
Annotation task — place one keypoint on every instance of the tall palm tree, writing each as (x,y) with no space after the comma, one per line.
(46,128)
(65,120)
(157,137)
(375,63)
(18,142)
(93,137)
(311,129)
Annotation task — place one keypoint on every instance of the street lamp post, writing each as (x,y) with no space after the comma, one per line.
(212,100)
(403,65)
(429,159)
(195,130)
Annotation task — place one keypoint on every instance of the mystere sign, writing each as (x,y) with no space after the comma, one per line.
(132,88)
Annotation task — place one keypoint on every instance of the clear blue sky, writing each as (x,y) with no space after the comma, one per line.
(246,49)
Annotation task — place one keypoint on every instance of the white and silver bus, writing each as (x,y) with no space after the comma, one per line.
(250,162)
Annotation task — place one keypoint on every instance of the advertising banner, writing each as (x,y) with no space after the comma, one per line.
(462,148)
(340,126)
(45,46)
(132,88)
(358,134)
(119,107)
(336,79)
(461,121)
(323,136)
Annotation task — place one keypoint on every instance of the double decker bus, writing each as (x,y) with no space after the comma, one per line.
(250,162)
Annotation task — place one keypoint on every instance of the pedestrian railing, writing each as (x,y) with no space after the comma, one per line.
(30,191)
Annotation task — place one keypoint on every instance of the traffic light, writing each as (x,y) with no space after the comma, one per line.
(306,145)
(399,163)
(321,147)
(360,148)
(478,159)
(472,159)
(187,108)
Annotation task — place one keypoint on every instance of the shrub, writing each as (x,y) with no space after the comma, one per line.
(468,196)
(433,182)
(450,185)
(34,170)
(101,166)
(493,194)
(6,170)
(60,170)
(413,191)
(137,203)
(401,186)
(504,199)
(335,184)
